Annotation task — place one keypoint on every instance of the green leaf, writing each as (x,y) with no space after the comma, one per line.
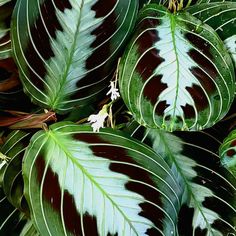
(66,50)
(209,199)
(12,181)
(228,153)
(222,18)
(6,8)
(29,229)
(84,183)
(176,73)
(12,221)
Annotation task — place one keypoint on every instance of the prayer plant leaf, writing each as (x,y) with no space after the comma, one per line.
(176,73)
(228,153)
(66,50)
(221,16)
(78,182)
(209,199)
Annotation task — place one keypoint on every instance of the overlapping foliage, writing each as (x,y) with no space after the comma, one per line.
(161,165)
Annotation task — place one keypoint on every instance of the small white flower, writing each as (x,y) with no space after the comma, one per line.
(97,121)
(113,91)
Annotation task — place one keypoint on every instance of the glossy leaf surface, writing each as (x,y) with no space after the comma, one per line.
(208,203)
(221,16)
(82,183)
(66,50)
(176,73)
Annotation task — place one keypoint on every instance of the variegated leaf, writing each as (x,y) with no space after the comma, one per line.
(176,73)
(221,16)
(228,153)
(66,50)
(82,183)
(209,199)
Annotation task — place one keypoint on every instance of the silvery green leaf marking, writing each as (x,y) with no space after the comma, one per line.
(196,167)
(66,50)
(98,183)
(176,73)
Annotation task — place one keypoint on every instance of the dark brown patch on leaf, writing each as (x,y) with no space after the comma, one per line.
(42,42)
(51,188)
(103,7)
(151,59)
(160,108)
(146,23)
(120,154)
(188,111)
(204,79)
(90,225)
(63,4)
(154,88)
(185,220)
(204,63)
(231,152)
(71,215)
(52,194)
(198,96)
(233,143)
(153,232)
(102,51)
(200,43)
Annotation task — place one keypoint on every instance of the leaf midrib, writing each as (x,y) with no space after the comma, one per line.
(87,174)
(173,27)
(68,64)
